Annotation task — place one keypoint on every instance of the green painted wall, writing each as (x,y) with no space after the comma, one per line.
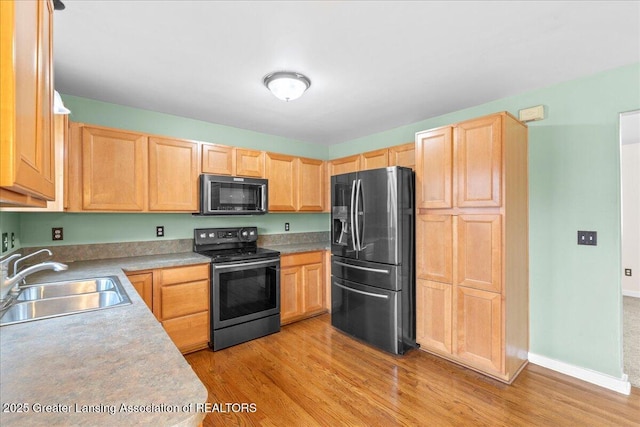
(574,174)
(105,114)
(35,228)
(10,223)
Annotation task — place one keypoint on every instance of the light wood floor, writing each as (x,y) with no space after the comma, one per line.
(310,374)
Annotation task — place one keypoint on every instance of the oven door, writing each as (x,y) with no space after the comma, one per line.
(244,291)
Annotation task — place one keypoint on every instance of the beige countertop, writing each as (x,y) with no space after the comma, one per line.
(102,368)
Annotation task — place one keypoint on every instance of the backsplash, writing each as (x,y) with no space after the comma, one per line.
(71,253)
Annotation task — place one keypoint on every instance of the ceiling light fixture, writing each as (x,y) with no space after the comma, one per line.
(287,85)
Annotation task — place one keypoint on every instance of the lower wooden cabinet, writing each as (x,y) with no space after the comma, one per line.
(302,287)
(179,298)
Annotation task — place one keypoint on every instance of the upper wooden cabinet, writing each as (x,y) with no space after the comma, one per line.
(311,195)
(27,171)
(217,159)
(434,168)
(173,175)
(116,170)
(344,165)
(461,165)
(294,183)
(282,173)
(403,155)
(249,163)
(478,156)
(374,159)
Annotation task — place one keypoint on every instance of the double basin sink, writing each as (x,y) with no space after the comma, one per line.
(62,298)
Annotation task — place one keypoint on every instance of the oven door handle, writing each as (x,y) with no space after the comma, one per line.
(244,264)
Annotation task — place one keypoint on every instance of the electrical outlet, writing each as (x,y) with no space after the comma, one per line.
(627,272)
(589,238)
(13,240)
(5,242)
(286,226)
(56,233)
(160,231)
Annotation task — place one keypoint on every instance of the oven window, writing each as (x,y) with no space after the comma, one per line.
(247,292)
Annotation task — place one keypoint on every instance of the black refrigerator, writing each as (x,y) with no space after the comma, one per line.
(373,257)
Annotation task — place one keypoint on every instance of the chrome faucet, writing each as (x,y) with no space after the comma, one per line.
(10,286)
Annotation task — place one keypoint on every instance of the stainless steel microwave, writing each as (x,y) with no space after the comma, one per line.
(233,195)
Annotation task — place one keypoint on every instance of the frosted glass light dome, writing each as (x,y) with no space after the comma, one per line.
(287,85)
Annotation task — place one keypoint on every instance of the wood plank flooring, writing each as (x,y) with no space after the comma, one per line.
(310,374)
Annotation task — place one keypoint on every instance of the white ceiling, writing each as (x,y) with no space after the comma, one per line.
(373,65)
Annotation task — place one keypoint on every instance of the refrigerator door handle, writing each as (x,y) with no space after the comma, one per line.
(357,213)
(357,267)
(369,294)
(352,207)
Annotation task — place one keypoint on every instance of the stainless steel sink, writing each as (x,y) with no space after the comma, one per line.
(60,289)
(62,298)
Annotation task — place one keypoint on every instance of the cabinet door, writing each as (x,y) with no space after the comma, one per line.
(291,304)
(188,333)
(313,287)
(183,299)
(249,163)
(434,248)
(374,159)
(173,175)
(217,159)
(403,155)
(433,315)
(143,283)
(114,170)
(478,162)
(478,252)
(26,97)
(282,173)
(479,328)
(434,157)
(310,185)
(344,165)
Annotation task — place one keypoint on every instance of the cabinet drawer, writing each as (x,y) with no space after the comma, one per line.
(300,259)
(190,273)
(185,298)
(189,332)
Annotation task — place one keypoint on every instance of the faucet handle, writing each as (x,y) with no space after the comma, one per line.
(4,262)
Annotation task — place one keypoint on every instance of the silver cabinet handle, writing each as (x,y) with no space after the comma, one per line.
(369,294)
(357,267)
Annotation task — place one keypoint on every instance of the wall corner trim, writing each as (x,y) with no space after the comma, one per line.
(620,385)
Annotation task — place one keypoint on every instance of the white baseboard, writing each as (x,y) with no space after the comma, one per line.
(635,294)
(620,385)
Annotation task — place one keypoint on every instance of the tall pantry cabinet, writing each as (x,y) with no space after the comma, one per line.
(472,244)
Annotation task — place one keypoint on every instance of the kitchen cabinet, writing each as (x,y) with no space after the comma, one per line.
(249,163)
(173,175)
(217,159)
(27,161)
(179,298)
(113,170)
(293,183)
(344,165)
(143,283)
(282,173)
(472,244)
(374,159)
(302,287)
(225,160)
(403,155)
